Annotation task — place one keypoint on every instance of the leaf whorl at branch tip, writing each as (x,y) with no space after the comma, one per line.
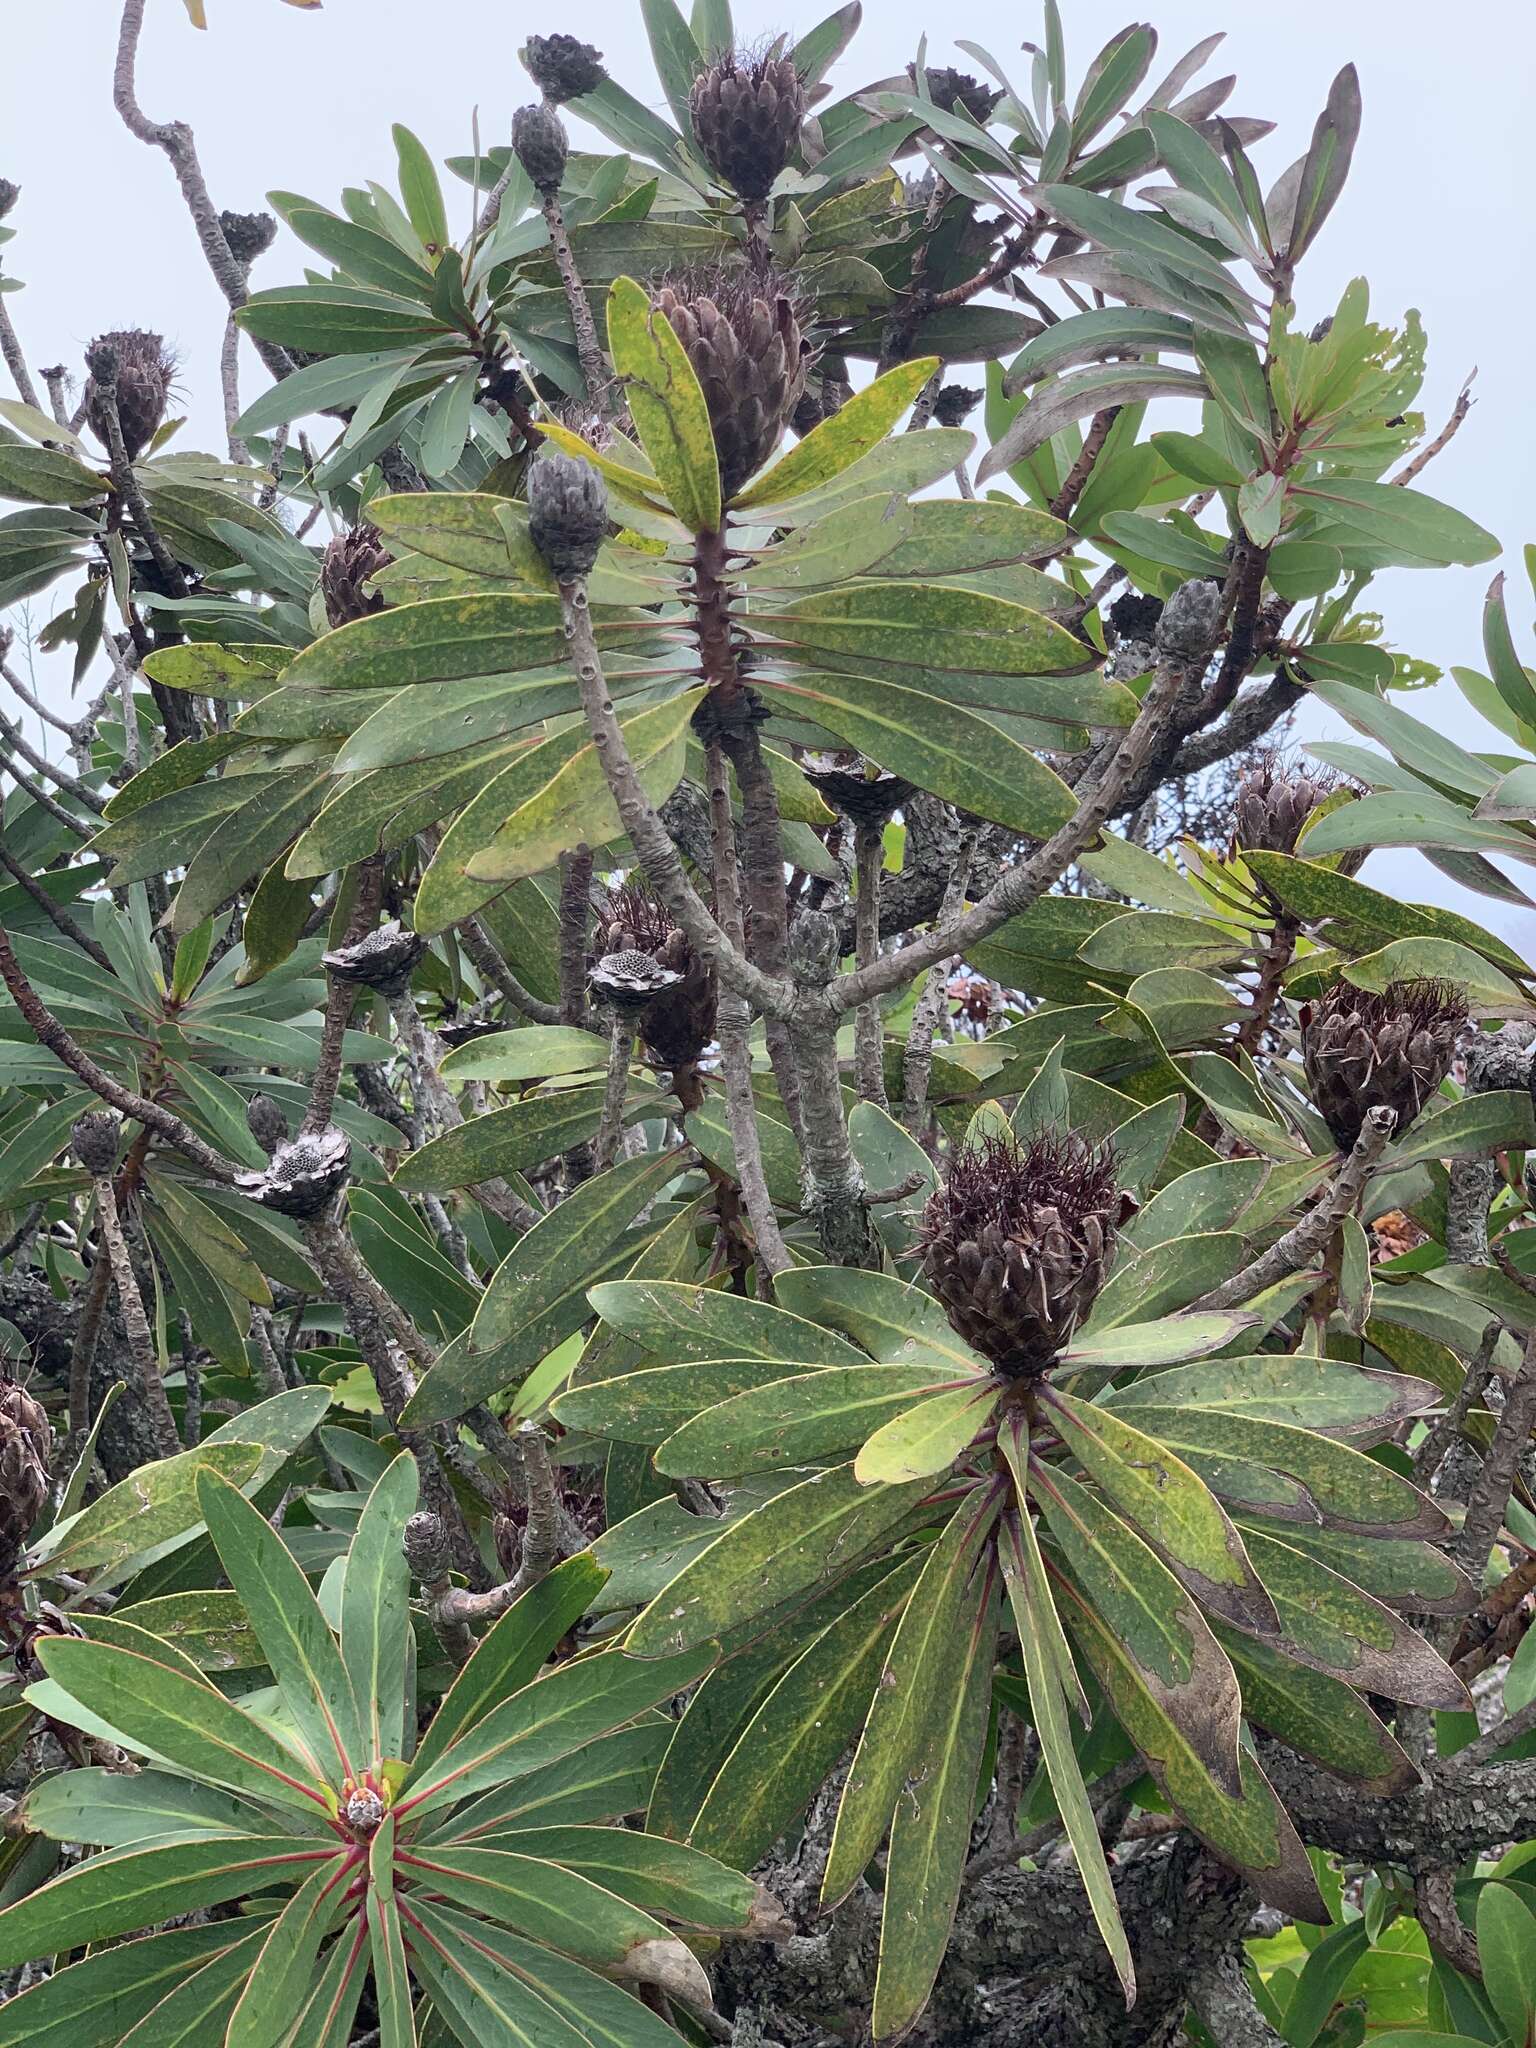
(1135,617)
(305,1175)
(249,235)
(132,370)
(383,959)
(1389,1049)
(95,1138)
(267,1121)
(747,112)
(540,146)
(957,92)
(1018,1240)
(349,563)
(567,513)
(562,67)
(743,337)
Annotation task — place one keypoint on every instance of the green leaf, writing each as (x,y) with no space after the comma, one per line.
(787,1546)
(153,1506)
(538,1294)
(1140,941)
(200,2007)
(1417,528)
(557,1907)
(915,1689)
(789,1422)
(180,1719)
(1326,164)
(498,1991)
(681,1883)
(300,1650)
(504,1141)
(605,1780)
(94,2003)
(648,1407)
(940,746)
(837,443)
(893,1320)
(391,1981)
(1173,1508)
(111,1895)
(1164,1342)
(47,476)
(1044,1648)
(281,1979)
(1318,1716)
(929,626)
(931,1826)
(511,1653)
(1164,1277)
(927,1438)
(1067,399)
(553,1718)
(667,404)
(1245,1823)
(1324,1395)
(803,1724)
(1506,1947)
(420,190)
(689,1322)
(440,639)
(1319,895)
(376,1638)
(116,1810)
(1504,664)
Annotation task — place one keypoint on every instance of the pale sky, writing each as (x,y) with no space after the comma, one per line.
(1437,213)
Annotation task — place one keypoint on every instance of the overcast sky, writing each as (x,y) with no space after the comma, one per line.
(1437,214)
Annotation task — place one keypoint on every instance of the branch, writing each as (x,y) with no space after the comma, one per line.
(492,968)
(1489,1497)
(50,1033)
(15,361)
(141,1342)
(541,1538)
(57,915)
(594,365)
(917,1059)
(1077,476)
(1301,1244)
(1446,1428)
(1447,433)
(868,1034)
(621,1042)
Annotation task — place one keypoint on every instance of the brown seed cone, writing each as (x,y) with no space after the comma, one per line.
(345,567)
(746,114)
(383,959)
(540,146)
(26,1413)
(562,67)
(743,338)
(567,513)
(1019,1240)
(304,1176)
(1272,804)
(957,92)
(1391,1049)
(144,373)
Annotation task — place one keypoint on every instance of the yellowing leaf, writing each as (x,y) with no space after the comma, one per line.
(667,404)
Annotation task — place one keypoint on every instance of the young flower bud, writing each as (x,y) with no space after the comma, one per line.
(267,1121)
(94,1137)
(1367,1049)
(563,68)
(345,568)
(425,1543)
(539,144)
(742,335)
(304,1176)
(1273,803)
(249,235)
(383,959)
(567,514)
(131,370)
(747,113)
(1019,1240)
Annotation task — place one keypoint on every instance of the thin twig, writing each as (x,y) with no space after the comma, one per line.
(1076,479)
(1488,1500)
(1446,1428)
(1447,433)
(541,1538)
(594,365)
(141,1341)
(868,1033)
(621,1043)
(15,360)
(917,1058)
(57,915)
(493,970)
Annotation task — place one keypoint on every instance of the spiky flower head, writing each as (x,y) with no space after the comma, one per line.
(631,980)
(540,146)
(743,337)
(1390,1048)
(94,1138)
(304,1176)
(955,403)
(678,1022)
(1019,1239)
(382,959)
(567,513)
(267,1121)
(861,791)
(1135,617)
(1272,804)
(747,110)
(249,235)
(957,92)
(130,369)
(9,194)
(563,68)
(347,565)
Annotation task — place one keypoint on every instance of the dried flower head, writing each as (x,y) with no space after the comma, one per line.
(350,561)
(634,917)
(132,370)
(1019,1239)
(1135,617)
(747,111)
(9,194)
(304,1176)
(631,980)
(562,67)
(383,959)
(743,337)
(567,513)
(957,92)
(1391,1048)
(955,403)
(249,235)
(861,791)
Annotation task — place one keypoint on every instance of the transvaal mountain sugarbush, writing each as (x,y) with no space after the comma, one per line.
(749,1292)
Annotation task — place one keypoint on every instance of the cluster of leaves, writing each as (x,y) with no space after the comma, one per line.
(830,1527)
